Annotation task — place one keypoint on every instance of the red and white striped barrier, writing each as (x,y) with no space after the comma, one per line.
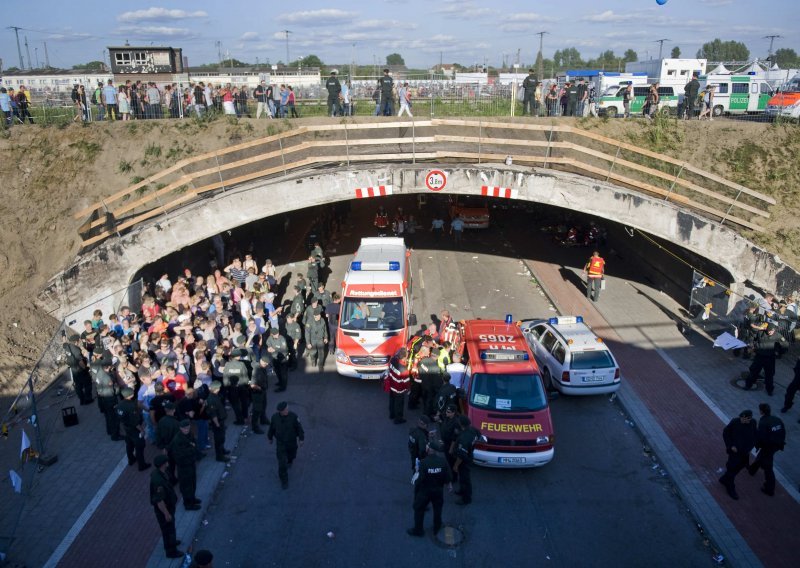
(377,191)
(495,191)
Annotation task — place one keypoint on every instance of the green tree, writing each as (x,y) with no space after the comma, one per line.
(311,61)
(90,66)
(569,58)
(539,66)
(786,58)
(395,59)
(719,50)
(630,56)
(675,53)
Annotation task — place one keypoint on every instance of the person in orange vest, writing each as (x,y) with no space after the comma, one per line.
(594,271)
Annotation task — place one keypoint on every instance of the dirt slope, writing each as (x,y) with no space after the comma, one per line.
(49,173)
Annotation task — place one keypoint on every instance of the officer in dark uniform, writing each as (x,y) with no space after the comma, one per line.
(308,315)
(133,423)
(322,295)
(278,352)
(387,95)
(434,474)
(317,339)
(572,98)
(234,373)
(164,499)
(183,448)
(529,84)
(258,392)
(748,329)
(768,346)
(216,413)
(430,375)
(770,438)
(334,88)
(166,430)
(285,427)
(792,389)
(740,437)
(447,430)
(106,396)
(294,334)
(78,368)
(447,395)
(465,445)
(417,440)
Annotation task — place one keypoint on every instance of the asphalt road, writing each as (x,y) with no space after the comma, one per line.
(600,502)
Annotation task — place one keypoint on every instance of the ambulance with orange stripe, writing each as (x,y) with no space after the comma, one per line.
(376,308)
(505,396)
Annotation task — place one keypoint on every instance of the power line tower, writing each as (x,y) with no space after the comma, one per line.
(660,43)
(771,39)
(46,56)
(540,57)
(218,45)
(28,51)
(19,49)
(286,33)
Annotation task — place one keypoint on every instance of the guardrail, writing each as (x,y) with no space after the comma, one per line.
(346,143)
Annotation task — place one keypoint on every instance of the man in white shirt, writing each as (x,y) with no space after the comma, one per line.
(456,371)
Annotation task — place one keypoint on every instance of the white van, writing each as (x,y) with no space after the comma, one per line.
(738,94)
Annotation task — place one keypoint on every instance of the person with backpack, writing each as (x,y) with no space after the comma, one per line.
(770,438)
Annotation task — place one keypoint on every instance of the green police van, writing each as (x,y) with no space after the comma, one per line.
(611,103)
(737,94)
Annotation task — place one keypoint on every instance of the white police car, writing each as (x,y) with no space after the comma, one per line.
(571,357)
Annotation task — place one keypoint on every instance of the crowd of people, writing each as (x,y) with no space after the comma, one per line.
(200,345)
(15,105)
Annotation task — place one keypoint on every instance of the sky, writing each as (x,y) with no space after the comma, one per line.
(365,31)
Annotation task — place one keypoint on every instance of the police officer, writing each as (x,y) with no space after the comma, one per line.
(447,430)
(792,389)
(334,88)
(78,368)
(399,384)
(322,295)
(317,339)
(234,373)
(106,396)
(748,329)
(529,84)
(216,413)
(164,499)
(133,424)
(308,315)
(431,379)
(770,438)
(740,437)
(446,396)
(295,333)
(767,346)
(285,427)
(417,440)
(434,474)
(258,389)
(313,273)
(166,430)
(386,107)
(298,305)
(465,444)
(278,352)
(183,448)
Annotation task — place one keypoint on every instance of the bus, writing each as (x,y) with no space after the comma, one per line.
(376,308)
(505,398)
(737,94)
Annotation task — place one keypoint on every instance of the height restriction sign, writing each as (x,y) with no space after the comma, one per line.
(435,180)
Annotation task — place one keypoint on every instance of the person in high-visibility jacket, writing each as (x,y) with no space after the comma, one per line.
(594,271)
(381,221)
(399,384)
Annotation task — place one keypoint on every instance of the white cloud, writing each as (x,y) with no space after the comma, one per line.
(532,17)
(249,36)
(609,16)
(151,14)
(463,10)
(383,24)
(156,32)
(325,16)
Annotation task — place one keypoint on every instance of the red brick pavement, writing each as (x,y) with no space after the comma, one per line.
(768,525)
(123,531)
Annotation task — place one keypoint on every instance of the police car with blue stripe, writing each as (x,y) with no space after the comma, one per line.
(572,358)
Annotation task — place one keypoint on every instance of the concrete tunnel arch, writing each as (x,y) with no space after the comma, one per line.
(112,264)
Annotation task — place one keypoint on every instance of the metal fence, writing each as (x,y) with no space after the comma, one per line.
(438,96)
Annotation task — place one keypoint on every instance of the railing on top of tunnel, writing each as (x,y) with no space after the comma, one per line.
(449,141)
